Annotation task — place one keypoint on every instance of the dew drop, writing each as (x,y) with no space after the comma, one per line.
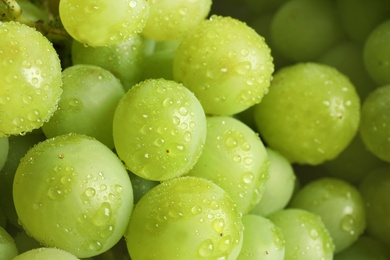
(248,160)
(248,177)
(218,225)
(90,192)
(167,102)
(347,224)
(225,243)
(206,248)
(231,142)
(314,234)
(103,215)
(95,245)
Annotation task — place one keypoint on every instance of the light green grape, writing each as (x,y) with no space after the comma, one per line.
(375,123)
(365,248)
(103,22)
(159,129)
(174,19)
(226,64)
(123,59)
(376,53)
(46,253)
(375,190)
(88,102)
(8,248)
(302,30)
(340,206)
(262,239)
(281,179)
(310,114)
(347,57)
(305,235)
(185,218)
(30,79)
(73,193)
(234,158)
(4,147)
(360,17)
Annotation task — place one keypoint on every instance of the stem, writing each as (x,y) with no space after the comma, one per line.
(13,9)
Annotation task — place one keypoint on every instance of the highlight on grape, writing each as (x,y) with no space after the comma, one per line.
(183,129)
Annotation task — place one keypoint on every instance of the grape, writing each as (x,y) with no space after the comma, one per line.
(262,239)
(88,102)
(4,147)
(305,235)
(375,123)
(174,19)
(365,248)
(185,218)
(30,79)
(73,193)
(45,253)
(226,64)
(123,59)
(261,6)
(310,114)
(360,17)
(8,248)
(104,22)
(339,205)
(375,190)
(347,57)
(281,179)
(234,158)
(159,129)
(302,30)
(376,53)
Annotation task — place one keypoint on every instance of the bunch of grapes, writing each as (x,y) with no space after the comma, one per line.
(182,129)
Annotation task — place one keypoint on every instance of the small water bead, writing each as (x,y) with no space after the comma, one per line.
(347,224)
(103,215)
(196,209)
(95,245)
(314,234)
(103,187)
(218,225)
(168,102)
(106,233)
(206,249)
(248,177)
(248,160)
(225,243)
(231,142)
(90,192)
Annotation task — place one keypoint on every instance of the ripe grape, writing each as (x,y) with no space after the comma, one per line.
(305,235)
(310,114)
(30,79)
(226,64)
(282,179)
(4,147)
(73,193)
(88,102)
(8,248)
(174,19)
(365,248)
(159,129)
(45,253)
(375,122)
(262,239)
(340,206)
(104,22)
(234,158)
(185,218)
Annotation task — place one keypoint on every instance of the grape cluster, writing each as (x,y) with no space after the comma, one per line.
(182,129)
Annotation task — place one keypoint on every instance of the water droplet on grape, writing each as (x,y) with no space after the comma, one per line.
(90,192)
(206,249)
(231,142)
(218,225)
(314,234)
(103,215)
(196,210)
(347,224)
(225,243)
(248,177)
(95,245)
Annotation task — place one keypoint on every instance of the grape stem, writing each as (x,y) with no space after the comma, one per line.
(10,10)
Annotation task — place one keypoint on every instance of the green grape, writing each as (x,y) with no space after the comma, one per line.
(375,122)
(141,186)
(360,17)
(262,239)
(340,206)
(281,179)
(365,248)
(123,59)
(302,30)
(8,248)
(174,19)
(306,236)
(234,158)
(46,253)
(375,190)
(158,60)
(30,79)
(159,129)
(353,163)
(18,146)
(347,57)
(104,22)
(310,114)
(88,102)
(4,147)
(261,6)
(226,64)
(73,193)
(376,53)
(185,218)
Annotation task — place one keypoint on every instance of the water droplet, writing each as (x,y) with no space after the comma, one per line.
(218,225)
(347,224)
(243,68)
(314,234)
(183,111)
(167,102)
(196,210)
(248,160)
(231,142)
(206,248)
(95,245)
(225,243)
(90,192)
(248,177)
(118,188)
(103,215)
(176,120)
